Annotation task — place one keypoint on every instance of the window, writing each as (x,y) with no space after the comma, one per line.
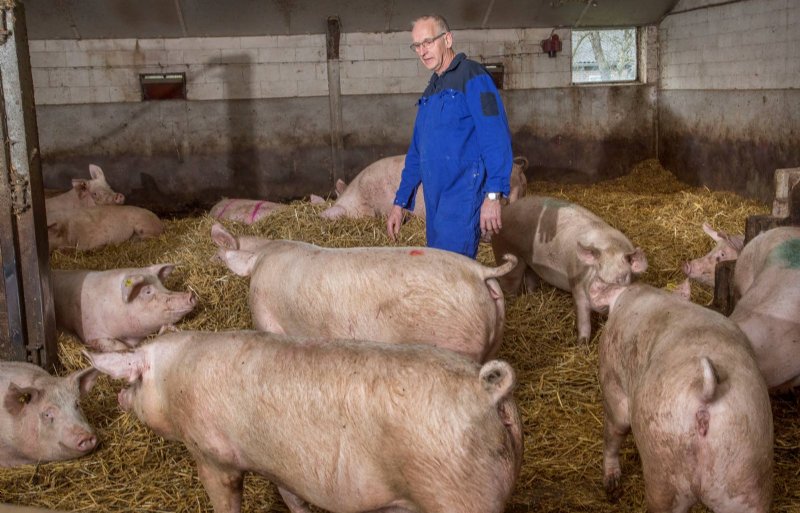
(604,55)
(163,86)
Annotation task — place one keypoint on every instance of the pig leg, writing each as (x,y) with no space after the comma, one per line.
(531,281)
(223,486)
(616,426)
(583,314)
(105,345)
(511,282)
(293,502)
(661,495)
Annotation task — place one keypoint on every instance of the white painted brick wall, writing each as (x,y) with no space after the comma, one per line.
(96,71)
(752,44)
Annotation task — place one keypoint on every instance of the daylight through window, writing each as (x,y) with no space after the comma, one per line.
(604,55)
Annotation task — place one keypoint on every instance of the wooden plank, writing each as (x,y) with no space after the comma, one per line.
(723,287)
(335,99)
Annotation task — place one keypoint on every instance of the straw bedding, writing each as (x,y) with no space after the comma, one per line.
(558,392)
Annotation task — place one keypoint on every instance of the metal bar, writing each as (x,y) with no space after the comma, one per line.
(22,168)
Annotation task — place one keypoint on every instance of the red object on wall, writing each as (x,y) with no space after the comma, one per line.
(551,45)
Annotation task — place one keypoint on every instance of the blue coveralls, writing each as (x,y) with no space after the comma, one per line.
(461,149)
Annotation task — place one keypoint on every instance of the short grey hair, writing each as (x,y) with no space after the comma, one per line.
(438,18)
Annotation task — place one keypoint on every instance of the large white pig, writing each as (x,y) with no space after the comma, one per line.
(767,279)
(86,193)
(683,379)
(399,295)
(568,247)
(372,191)
(116,309)
(40,419)
(93,227)
(345,426)
(727,248)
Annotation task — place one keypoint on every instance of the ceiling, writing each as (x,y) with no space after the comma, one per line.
(119,19)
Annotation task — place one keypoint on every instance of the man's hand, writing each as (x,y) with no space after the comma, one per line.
(490,218)
(394,222)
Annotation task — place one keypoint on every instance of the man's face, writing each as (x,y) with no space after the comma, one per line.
(432,57)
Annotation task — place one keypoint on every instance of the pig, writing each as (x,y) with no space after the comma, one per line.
(767,279)
(41,420)
(94,227)
(85,193)
(342,425)
(116,309)
(683,379)
(397,295)
(245,211)
(568,247)
(728,247)
(371,193)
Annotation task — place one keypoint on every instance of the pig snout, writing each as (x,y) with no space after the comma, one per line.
(687,268)
(82,440)
(87,443)
(182,303)
(119,198)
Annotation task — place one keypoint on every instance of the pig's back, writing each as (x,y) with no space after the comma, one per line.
(757,254)
(343,413)
(374,293)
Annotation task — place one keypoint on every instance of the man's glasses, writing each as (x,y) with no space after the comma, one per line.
(425,43)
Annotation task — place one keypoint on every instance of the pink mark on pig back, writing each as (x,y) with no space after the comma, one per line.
(255,211)
(416,252)
(221,212)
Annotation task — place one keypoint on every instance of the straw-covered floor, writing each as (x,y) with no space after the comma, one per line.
(558,392)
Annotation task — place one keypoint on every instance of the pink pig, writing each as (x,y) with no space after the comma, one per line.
(371,193)
(399,295)
(727,248)
(86,193)
(341,425)
(683,379)
(94,227)
(40,419)
(568,247)
(116,309)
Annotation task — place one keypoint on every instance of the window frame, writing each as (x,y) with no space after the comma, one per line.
(638,71)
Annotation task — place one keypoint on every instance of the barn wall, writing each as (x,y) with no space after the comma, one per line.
(257,119)
(729,103)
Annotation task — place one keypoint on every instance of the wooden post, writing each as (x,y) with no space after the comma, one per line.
(23,241)
(723,287)
(335,99)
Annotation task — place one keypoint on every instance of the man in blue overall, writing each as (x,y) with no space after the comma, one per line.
(460,150)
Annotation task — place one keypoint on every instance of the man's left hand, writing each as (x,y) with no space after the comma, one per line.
(490,218)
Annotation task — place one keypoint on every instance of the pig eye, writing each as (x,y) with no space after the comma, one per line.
(48,416)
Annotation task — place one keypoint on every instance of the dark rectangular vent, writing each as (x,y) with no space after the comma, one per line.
(163,86)
(496,70)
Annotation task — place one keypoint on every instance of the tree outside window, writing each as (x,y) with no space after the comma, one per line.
(604,55)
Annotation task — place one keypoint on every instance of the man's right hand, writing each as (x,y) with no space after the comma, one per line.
(394,222)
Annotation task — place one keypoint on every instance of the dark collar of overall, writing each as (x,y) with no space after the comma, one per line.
(453,65)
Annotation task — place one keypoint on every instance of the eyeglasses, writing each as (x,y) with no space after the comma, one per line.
(425,43)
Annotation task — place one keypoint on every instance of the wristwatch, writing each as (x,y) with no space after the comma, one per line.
(494,196)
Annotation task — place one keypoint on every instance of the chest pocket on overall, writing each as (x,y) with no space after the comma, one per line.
(452,109)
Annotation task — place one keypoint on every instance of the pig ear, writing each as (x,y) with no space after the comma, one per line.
(81,186)
(736,242)
(316,200)
(240,262)
(130,285)
(162,270)
(588,254)
(714,234)
(96,172)
(340,187)
(85,379)
(18,397)
(638,261)
(223,237)
(119,365)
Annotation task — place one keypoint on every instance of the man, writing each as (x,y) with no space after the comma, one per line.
(460,150)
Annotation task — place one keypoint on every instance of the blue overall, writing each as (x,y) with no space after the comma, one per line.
(461,149)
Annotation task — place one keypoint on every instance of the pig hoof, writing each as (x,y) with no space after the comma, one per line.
(582,341)
(612,486)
